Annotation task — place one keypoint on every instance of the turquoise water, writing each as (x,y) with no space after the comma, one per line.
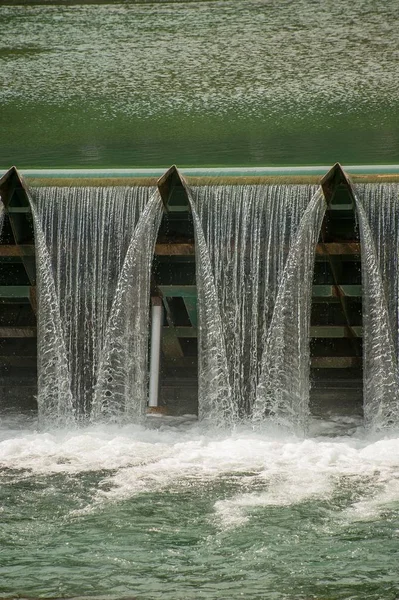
(242,82)
(173,511)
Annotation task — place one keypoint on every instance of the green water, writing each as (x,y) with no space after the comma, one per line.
(176,512)
(243,82)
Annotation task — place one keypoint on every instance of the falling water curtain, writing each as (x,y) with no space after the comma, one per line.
(244,236)
(90,265)
(378,217)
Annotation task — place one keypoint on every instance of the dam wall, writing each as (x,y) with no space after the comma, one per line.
(335,335)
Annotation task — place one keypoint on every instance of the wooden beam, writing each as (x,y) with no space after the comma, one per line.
(170,344)
(338,248)
(19,210)
(336,362)
(335,331)
(171,249)
(18,361)
(14,250)
(188,249)
(18,332)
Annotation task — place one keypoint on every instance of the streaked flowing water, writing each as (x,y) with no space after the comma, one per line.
(255,249)
(2,214)
(121,385)
(179,509)
(283,388)
(94,250)
(378,215)
(225,82)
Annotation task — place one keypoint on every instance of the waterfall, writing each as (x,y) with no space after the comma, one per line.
(121,386)
(215,398)
(378,215)
(2,214)
(244,235)
(55,402)
(93,253)
(283,389)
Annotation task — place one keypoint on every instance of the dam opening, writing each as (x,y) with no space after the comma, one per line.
(277,300)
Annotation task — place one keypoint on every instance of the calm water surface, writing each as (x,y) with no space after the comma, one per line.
(243,82)
(173,511)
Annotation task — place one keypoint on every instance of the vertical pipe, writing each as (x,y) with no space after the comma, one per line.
(156,328)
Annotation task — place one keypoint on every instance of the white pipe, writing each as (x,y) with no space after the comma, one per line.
(156,329)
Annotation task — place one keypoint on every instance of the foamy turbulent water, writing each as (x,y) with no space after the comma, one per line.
(173,510)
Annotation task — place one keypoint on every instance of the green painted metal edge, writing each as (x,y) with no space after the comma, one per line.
(207,172)
(15,291)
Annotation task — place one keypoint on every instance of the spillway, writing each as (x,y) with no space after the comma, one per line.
(260,285)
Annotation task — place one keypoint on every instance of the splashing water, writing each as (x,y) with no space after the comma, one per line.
(85,244)
(2,214)
(173,510)
(55,400)
(214,389)
(122,374)
(378,215)
(283,389)
(244,235)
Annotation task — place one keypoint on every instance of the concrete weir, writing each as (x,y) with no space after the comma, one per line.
(336,317)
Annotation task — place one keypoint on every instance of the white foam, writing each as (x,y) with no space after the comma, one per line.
(266,469)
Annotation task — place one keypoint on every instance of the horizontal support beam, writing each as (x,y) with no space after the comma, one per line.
(178,291)
(18,332)
(17,250)
(19,361)
(338,207)
(338,248)
(19,209)
(328,249)
(336,362)
(335,331)
(171,249)
(188,249)
(15,291)
(334,291)
(181,332)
